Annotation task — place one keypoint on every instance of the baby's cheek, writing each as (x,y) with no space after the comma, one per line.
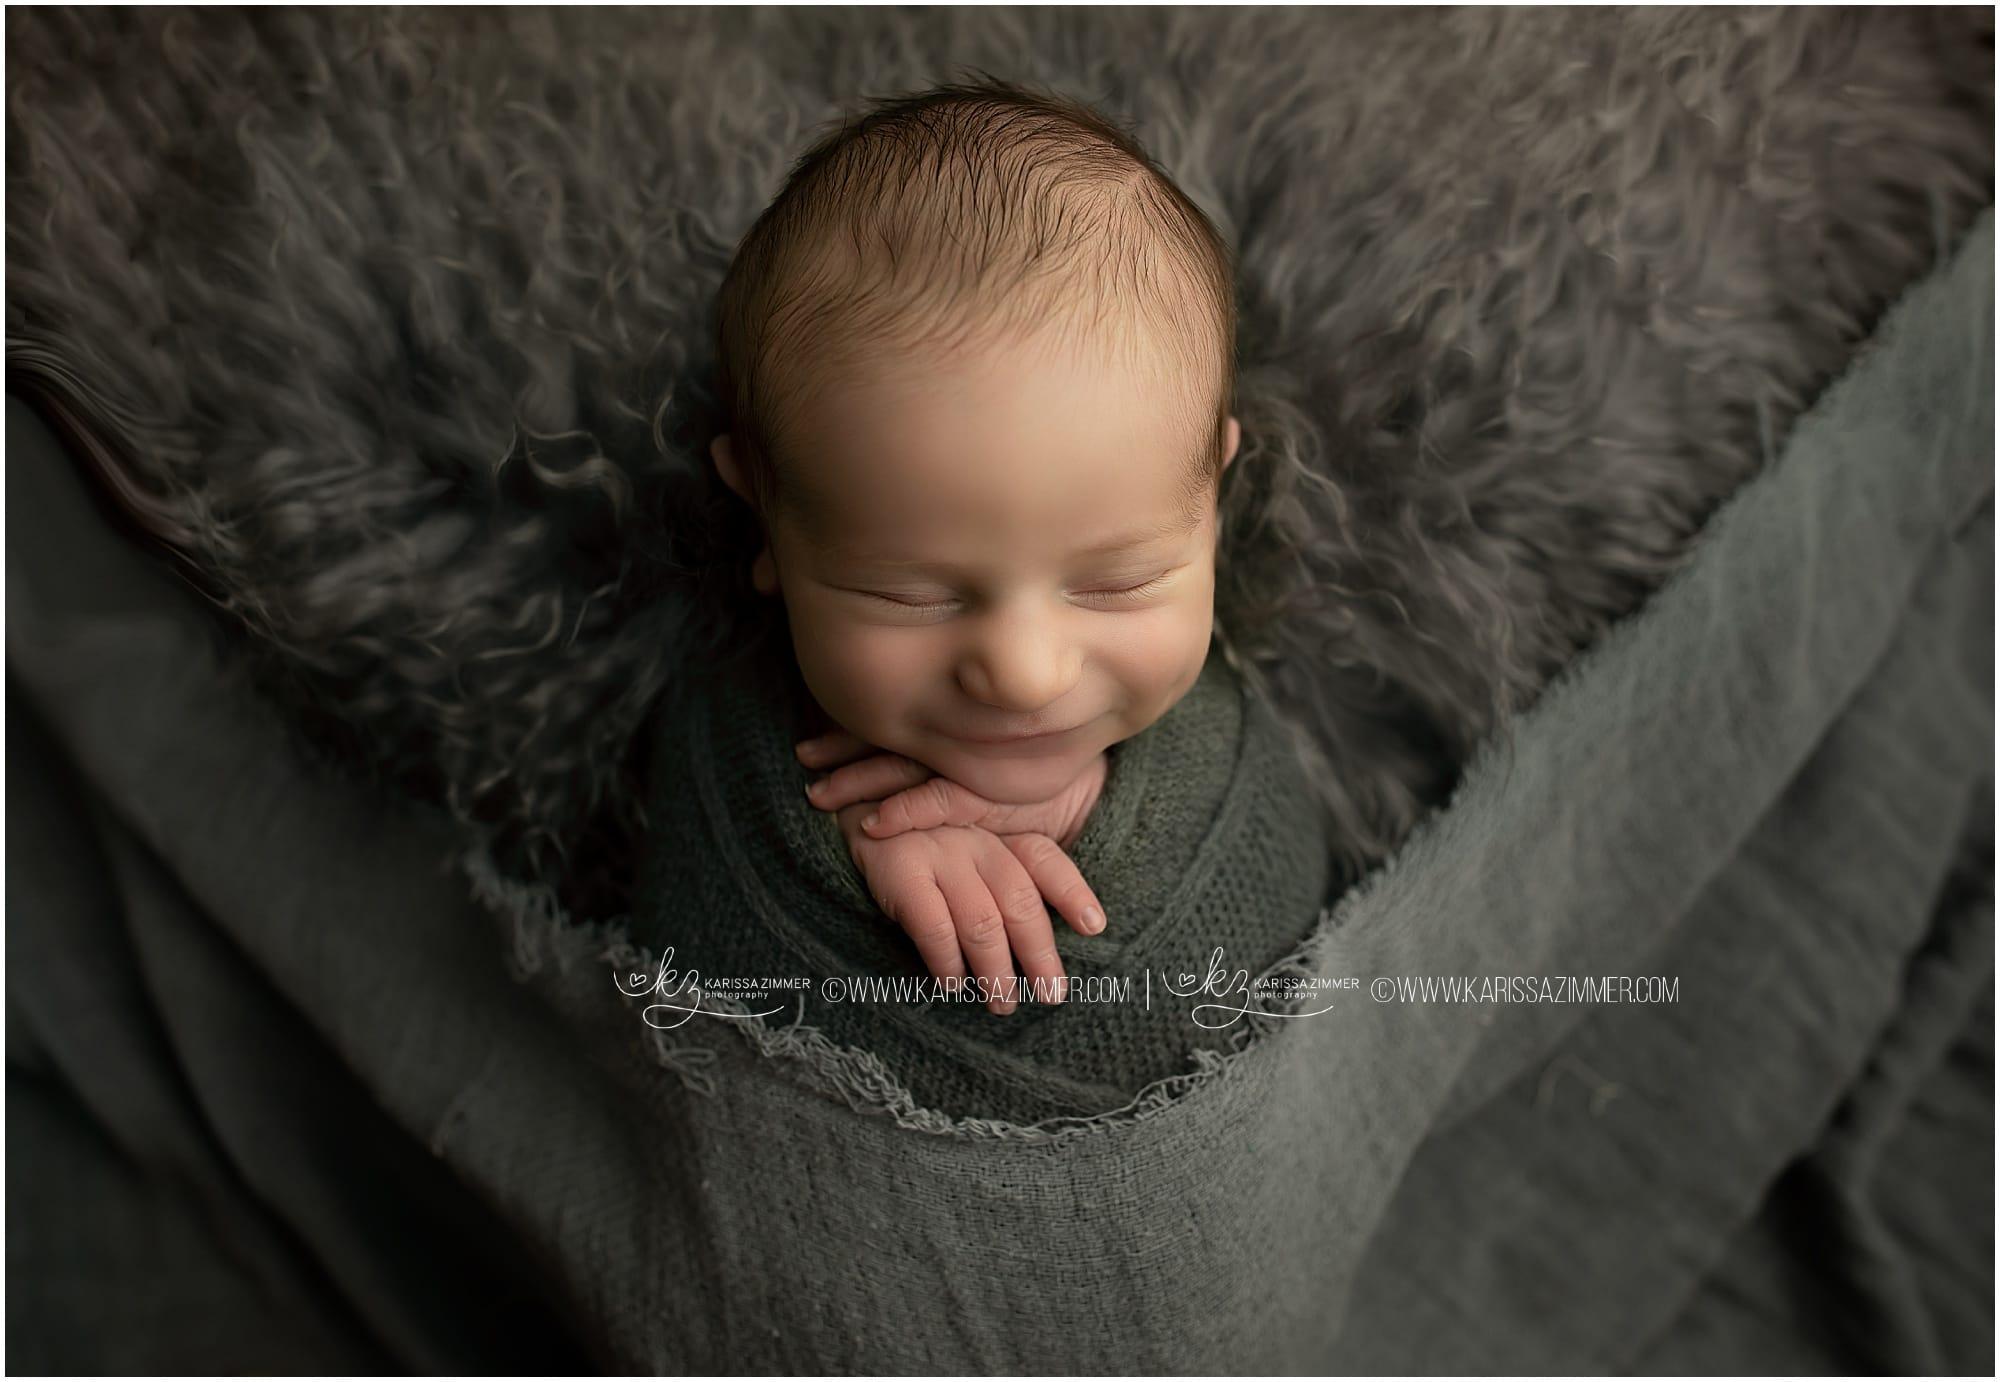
(1179,637)
(859,675)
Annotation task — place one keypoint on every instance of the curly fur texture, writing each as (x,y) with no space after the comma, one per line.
(395,327)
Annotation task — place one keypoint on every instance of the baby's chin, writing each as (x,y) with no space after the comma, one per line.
(1010,781)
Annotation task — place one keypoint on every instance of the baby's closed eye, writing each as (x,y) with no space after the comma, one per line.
(1116,591)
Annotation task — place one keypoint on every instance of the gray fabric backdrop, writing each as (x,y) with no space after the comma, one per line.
(392,323)
(280,1089)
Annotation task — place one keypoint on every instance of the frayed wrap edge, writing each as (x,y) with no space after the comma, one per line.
(539,929)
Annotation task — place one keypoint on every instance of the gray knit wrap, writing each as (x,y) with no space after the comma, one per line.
(1204,838)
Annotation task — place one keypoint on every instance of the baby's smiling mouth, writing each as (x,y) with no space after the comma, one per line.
(1041,737)
(1011,738)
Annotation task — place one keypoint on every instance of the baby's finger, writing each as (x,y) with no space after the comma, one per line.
(916,905)
(1028,930)
(832,749)
(873,778)
(933,802)
(1059,879)
(982,930)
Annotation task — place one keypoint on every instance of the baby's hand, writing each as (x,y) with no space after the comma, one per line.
(911,797)
(963,894)
(992,889)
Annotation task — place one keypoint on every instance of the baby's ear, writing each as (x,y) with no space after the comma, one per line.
(725,464)
(1234,439)
(764,569)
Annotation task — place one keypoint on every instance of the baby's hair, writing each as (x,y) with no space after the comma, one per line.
(971,213)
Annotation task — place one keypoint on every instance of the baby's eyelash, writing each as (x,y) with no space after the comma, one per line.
(1144,588)
(1122,592)
(906,604)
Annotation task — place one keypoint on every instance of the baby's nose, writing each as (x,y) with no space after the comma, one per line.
(1019,668)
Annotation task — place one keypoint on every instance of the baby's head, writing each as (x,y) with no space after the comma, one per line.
(980,357)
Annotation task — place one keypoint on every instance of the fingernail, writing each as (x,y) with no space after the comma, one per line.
(869,821)
(1093,920)
(1001,1007)
(815,787)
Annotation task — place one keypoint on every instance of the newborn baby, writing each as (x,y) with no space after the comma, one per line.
(995,539)
(983,428)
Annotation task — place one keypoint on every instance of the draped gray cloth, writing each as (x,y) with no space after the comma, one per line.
(281,1096)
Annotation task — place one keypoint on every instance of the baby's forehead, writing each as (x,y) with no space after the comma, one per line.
(841,514)
(1050,416)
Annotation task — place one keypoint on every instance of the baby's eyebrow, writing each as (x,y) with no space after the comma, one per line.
(1186,523)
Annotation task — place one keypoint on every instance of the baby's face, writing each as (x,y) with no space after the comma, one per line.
(976,552)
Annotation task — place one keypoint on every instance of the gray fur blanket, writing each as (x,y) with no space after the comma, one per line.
(392,325)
